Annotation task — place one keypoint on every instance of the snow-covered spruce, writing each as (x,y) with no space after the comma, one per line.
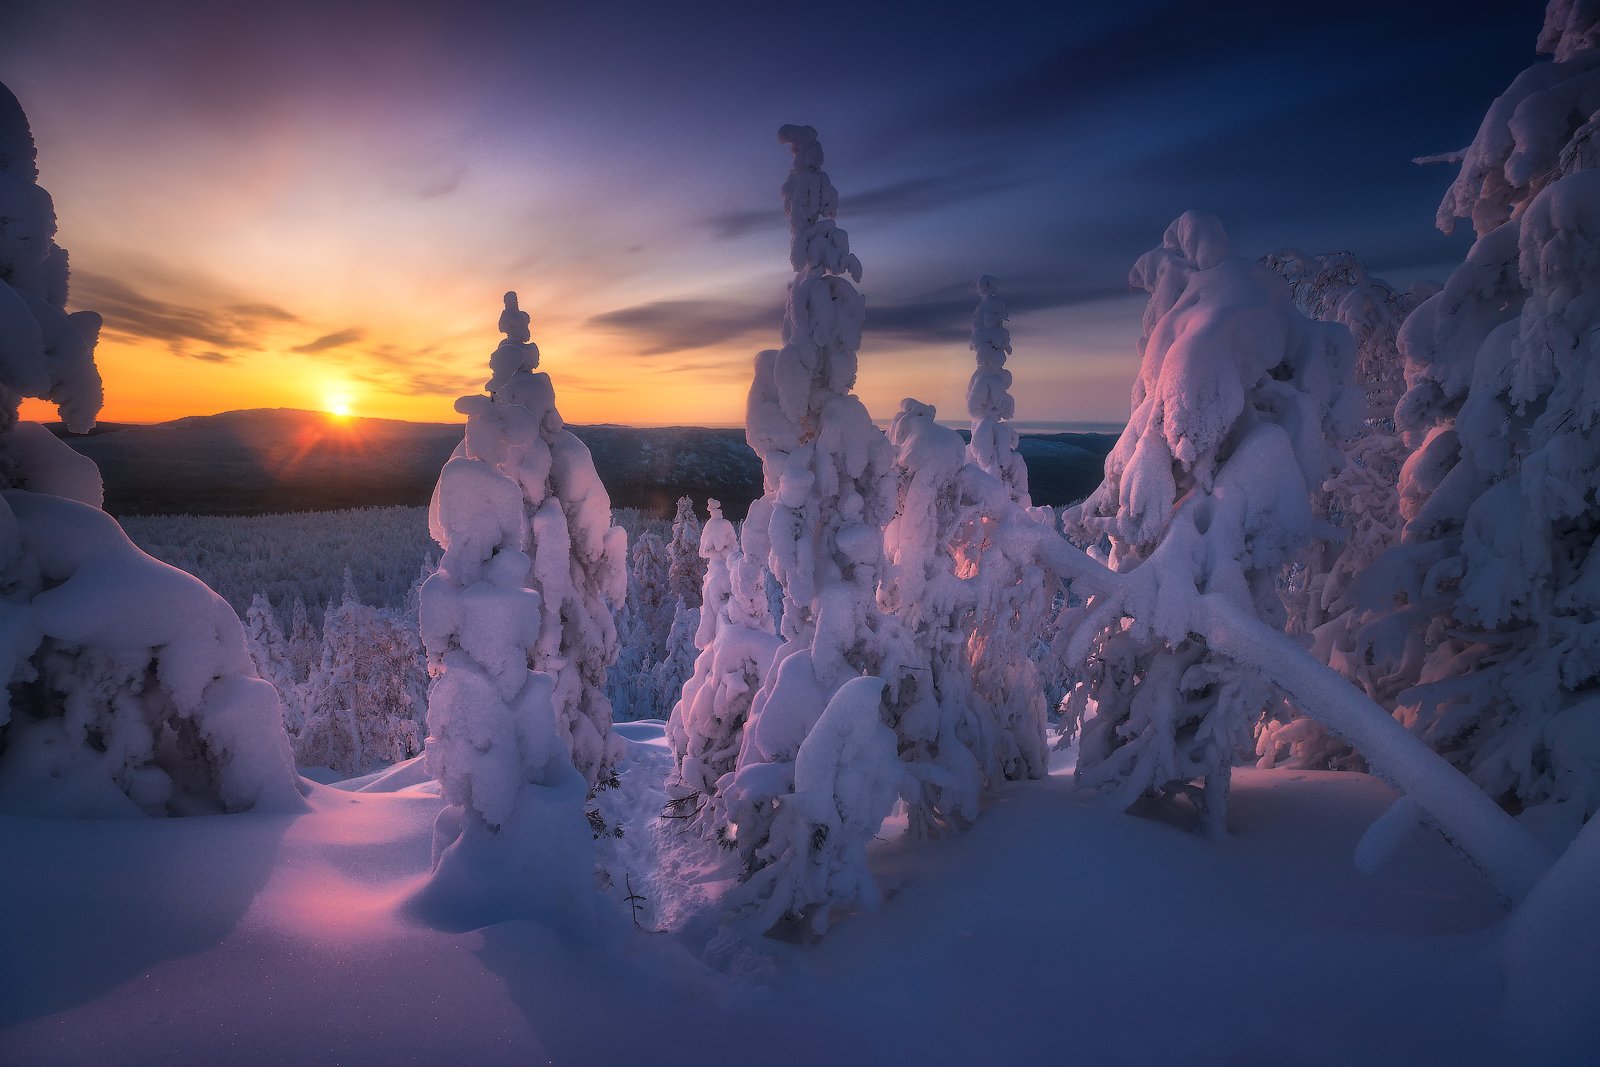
(130,688)
(577,559)
(643,626)
(845,778)
(1238,399)
(828,493)
(686,570)
(365,702)
(1362,499)
(736,643)
(993,446)
(1485,621)
(517,624)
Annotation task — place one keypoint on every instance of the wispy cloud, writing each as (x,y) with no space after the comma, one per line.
(909,196)
(337,339)
(214,334)
(665,326)
(945,315)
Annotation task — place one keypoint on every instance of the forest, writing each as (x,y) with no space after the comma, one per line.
(1282,745)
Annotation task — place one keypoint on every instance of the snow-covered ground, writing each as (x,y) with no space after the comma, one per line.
(1050,933)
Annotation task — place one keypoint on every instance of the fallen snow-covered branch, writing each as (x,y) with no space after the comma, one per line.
(1507,854)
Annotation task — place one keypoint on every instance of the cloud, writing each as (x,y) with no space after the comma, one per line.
(945,315)
(337,339)
(215,334)
(909,196)
(665,326)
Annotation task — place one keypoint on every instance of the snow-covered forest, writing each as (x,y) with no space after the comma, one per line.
(1281,746)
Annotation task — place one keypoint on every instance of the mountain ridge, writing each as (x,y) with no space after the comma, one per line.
(263,460)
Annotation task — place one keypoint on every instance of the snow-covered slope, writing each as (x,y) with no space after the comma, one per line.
(1050,933)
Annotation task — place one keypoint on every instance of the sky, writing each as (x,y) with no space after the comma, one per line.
(319,205)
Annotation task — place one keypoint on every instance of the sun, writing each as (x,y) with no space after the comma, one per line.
(337,405)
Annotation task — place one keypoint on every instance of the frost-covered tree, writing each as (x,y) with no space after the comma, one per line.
(129,685)
(269,651)
(993,447)
(972,608)
(305,644)
(643,626)
(666,677)
(828,486)
(1238,399)
(736,641)
(1486,618)
(515,620)
(686,571)
(1361,499)
(365,702)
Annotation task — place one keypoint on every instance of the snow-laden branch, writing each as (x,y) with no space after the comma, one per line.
(1507,854)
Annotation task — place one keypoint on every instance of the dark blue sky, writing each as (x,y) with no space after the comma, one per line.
(374,175)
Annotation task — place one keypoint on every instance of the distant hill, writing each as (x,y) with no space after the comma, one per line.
(272,460)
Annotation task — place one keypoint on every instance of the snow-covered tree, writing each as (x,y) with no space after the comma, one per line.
(129,685)
(1237,405)
(269,651)
(972,609)
(1015,600)
(1361,499)
(365,702)
(736,641)
(828,492)
(518,629)
(993,446)
(653,598)
(667,675)
(578,559)
(940,727)
(643,626)
(686,571)
(305,644)
(1486,618)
